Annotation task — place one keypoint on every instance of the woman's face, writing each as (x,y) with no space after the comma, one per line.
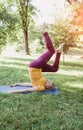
(49,85)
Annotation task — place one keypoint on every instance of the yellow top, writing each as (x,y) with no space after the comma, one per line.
(37,79)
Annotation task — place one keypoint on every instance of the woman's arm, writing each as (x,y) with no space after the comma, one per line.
(21,84)
(32,89)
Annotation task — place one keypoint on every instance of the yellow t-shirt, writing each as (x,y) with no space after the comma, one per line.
(36,78)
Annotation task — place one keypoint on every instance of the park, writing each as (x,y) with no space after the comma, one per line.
(21,41)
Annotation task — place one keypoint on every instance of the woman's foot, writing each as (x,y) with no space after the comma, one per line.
(60,48)
(44,28)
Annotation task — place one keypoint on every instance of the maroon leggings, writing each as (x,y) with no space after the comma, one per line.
(41,62)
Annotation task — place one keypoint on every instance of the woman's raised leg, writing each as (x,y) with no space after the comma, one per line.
(44,58)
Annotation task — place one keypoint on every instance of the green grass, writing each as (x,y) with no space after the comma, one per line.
(42,112)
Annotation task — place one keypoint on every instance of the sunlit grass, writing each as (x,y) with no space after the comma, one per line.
(74,85)
(42,112)
(76,73)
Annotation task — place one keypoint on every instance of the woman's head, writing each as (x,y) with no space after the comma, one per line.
(49,85)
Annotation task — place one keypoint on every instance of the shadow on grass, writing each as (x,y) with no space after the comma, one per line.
(12,63)
(72,65)
(20,59)
(9,75)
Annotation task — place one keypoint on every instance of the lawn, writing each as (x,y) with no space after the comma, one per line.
(38,111)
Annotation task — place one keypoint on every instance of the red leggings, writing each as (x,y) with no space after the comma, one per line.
(41,62)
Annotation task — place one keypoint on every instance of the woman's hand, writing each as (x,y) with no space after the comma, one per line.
(13,85)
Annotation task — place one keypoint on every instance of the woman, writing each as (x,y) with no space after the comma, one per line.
(39,65)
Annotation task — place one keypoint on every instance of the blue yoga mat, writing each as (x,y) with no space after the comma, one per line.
(4,89)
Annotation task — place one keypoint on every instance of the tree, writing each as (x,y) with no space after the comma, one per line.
(77,12)
(71,1)
(8,24)
(63,32)
(25,10)
(16,16)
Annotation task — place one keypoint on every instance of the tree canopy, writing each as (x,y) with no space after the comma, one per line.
(16,19)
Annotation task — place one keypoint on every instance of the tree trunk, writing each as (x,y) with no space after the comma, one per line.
(70,1)
(23,10)
(63,58)
(26,41)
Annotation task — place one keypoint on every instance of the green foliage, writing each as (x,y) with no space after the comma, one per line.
(13,20)
(78,16)
(34,32)
(2,36)
(76,7)
(63,32)
(8,25)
